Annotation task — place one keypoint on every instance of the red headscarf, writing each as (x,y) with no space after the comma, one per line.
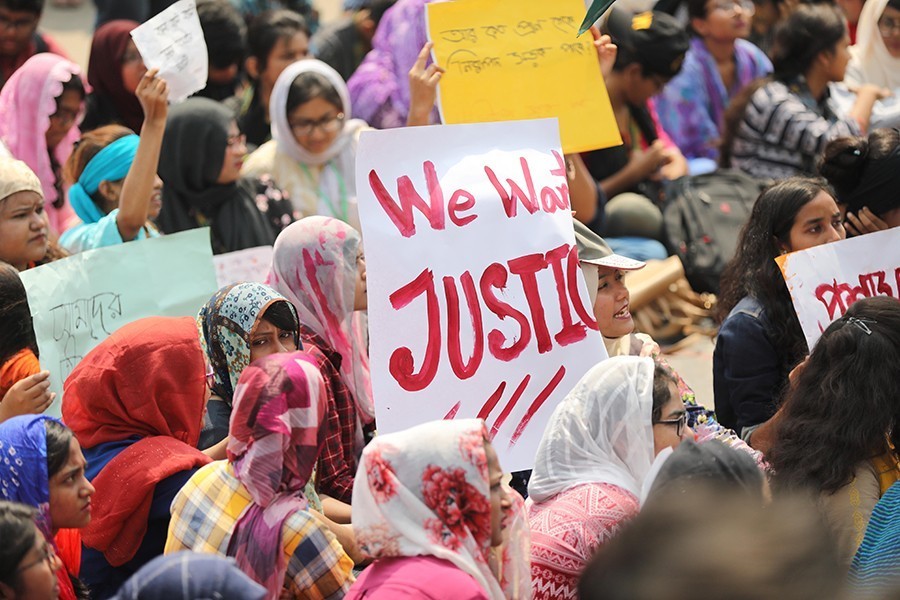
(105,71)
(147,379)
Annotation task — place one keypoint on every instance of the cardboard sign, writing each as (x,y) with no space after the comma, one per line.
(252,265)
(477,307)
(77,302)
(824,281)
(521,60)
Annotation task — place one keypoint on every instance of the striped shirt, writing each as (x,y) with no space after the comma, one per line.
(785,129)
(206,510)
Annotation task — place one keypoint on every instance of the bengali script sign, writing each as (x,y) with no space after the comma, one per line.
(477,307)
(521,60)
(824,281)
(77,302)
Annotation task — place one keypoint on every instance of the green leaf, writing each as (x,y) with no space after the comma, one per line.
(598,7)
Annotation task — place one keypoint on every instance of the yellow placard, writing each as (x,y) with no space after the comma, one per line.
(508,60)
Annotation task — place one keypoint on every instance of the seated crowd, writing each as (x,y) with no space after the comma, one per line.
(235,454)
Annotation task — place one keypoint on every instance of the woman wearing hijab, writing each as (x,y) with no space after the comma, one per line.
(319,266)
(190,576)
(42,466)
(312,153)
(241,323)
(114,187)
(592,460)
(135,404)
(200,166)
(40,108)
(431,508)
(252,507)
(115,69)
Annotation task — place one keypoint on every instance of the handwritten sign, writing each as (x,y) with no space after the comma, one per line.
(476,302)
(824,281)
(521,60)
(78,301)
(173,42)
(252,264)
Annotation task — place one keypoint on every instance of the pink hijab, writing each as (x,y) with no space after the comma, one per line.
(26,103)
(314,266)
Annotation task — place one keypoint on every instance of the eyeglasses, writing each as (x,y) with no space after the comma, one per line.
(48,555)
(680,423)
(304,127)
(236,140)
(210,377)
(730,6)
(888,26)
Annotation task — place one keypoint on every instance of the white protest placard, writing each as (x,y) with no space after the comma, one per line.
(252,265)
(477,307)
(824,281)
(77,302)
(173,42)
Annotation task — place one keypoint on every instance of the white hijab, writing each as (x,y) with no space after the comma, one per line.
(340,158)
(601,432)
(870,58)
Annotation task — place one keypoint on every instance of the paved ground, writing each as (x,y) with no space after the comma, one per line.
(73,29)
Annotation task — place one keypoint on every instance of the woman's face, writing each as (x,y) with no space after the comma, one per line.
(115,192)
(316,124)
(286,51)
(500,502)
(836,60)
(889,28)
(818,222)
(133,68)
(235,151)
(726,20)
(611,308)
(665,435)
(360,296)
(70,492)
(37,572)
(23,229)
(68,107)
(268,339)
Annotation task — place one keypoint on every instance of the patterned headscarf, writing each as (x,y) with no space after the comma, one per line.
(314,266)
(226,325)
(276,433)
(426,491)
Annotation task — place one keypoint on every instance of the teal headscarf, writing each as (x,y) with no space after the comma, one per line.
(110,164)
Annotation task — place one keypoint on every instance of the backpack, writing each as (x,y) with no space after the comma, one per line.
(703,218)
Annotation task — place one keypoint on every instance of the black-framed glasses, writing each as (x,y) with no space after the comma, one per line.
(48,554)
(680,423)
(888,26)
(331,124)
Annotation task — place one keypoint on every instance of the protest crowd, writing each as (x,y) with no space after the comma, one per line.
(237,442)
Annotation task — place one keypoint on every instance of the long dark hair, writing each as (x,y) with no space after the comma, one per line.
(308,86)
(842,409)
(807,32)
(18,532)
(753,271)
(863,170)
(16,327)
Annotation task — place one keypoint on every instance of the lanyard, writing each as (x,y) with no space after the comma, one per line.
(342,192)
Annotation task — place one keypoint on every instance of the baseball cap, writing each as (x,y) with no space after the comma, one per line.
(593,249)
(656,40)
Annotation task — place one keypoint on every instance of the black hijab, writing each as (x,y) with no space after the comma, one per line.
(193,152)
(16,328)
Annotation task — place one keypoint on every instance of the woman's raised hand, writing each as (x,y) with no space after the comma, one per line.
(153,94)
(423,82)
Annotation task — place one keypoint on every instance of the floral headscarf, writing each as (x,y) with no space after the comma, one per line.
(426,491)
(314,266)
(26,103)
(276,433)
(226,324)
(601,432)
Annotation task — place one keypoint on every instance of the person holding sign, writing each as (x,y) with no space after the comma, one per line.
(865,172)
(206,187)
(114,187)
(319,266)
(313,150)
(252,506)
(431,507)
(836,435)
(589,468)
(760,340)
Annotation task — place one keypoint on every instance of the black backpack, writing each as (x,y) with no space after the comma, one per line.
(703,218)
